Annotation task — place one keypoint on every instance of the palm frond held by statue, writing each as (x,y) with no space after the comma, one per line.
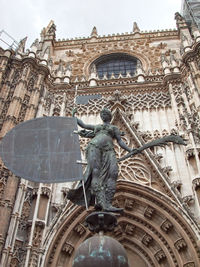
(176,139)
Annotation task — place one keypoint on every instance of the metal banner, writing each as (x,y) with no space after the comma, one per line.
(43,150)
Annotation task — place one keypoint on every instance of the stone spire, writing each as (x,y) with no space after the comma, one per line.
(135,27)
(94,32)
(49,32)
(35,45)
(21,46)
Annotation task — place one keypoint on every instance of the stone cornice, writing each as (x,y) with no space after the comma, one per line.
(157,35)
(34,62)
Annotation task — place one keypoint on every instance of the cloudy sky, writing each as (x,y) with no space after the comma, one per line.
(76,18)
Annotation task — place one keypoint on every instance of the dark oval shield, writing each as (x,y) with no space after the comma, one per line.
(43,150)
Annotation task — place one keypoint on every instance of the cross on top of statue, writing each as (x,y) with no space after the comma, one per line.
(43,150)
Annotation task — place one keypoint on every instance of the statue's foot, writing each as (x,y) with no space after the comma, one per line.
(113,209)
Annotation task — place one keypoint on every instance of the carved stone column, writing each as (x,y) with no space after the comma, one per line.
(7,204)
(34,98)
(16,103)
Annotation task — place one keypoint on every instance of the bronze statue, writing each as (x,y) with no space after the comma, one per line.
(102,170)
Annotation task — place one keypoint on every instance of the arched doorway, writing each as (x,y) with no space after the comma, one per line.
(154,230)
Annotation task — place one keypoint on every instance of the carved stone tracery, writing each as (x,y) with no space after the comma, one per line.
(130,102)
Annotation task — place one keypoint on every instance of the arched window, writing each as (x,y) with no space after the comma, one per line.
(115,64)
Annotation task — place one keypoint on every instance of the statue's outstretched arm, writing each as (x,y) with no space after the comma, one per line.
(121,142)
(81,123)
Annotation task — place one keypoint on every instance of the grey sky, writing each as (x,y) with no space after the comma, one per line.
(76,18)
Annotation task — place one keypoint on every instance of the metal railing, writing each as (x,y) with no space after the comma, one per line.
(7,41)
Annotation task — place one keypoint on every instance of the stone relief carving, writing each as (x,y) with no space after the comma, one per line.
(148,212)
(160,255)
(130,103)
(58,100)
(4,174)
(129,204)
(147,239)
(48,100)
(68,248)
(166,226)
(180,244)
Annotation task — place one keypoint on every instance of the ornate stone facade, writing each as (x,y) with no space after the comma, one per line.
(158,189)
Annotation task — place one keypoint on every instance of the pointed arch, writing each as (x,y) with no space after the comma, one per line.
(154,230)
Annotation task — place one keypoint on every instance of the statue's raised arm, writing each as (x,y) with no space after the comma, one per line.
(81,123)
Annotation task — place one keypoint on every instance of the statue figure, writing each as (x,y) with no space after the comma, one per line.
(102,169)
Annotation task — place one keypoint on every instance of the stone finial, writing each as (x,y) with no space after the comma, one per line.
(135,27)
(140,72)
(94,32)
(49,32)
(21,46)
(93,75)
(35,45)
(51,28)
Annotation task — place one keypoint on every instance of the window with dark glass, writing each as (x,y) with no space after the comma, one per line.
(115,64)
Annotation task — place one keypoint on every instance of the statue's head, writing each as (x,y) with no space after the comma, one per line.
(106,114)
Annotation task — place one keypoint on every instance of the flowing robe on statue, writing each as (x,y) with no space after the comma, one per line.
(101,160)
